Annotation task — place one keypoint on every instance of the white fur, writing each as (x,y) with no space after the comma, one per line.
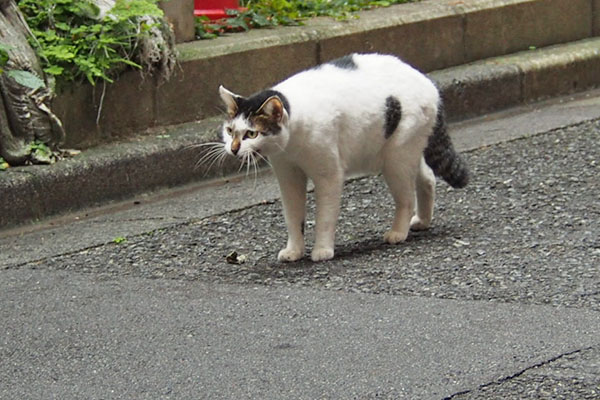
(335,130)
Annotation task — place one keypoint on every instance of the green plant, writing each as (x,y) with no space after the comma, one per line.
(3,56)
(42,153)
(3,164)
(74,43)
(267,13)
(119,240)
(22,77)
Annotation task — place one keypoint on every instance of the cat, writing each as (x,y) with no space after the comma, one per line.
(359,114)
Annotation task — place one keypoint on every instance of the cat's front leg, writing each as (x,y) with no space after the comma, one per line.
(328,192)
(292,184)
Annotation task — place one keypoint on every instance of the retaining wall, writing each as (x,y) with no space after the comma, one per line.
(432,35)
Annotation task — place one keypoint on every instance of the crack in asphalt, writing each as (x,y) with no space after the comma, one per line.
(178,223)
(519,373)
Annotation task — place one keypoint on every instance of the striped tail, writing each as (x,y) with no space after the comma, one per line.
(441,156)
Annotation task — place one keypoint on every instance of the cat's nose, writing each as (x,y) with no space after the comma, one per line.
(235,146)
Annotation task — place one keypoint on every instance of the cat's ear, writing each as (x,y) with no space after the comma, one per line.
(273,109)
(230,100)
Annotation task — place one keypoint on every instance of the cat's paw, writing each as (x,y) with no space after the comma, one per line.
(322,254)
(416,224)
(290,254)
(394,237)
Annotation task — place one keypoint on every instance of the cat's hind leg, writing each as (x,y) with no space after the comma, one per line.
(292,184)
(402,158)
(425,189)
(400,178)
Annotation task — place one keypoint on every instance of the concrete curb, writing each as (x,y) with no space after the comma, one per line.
(163,159)
(524,77)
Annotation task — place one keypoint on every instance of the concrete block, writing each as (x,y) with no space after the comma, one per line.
(475,89)
(523,77)
(554,71)
(498,27)
(20,200)
(192,93)
(596,17)
(129,104)
(407,41)
(127,107)
(180,14)
(77,109)
(428,35)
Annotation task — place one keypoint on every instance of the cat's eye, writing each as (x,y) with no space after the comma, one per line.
(251,135)
(229,130)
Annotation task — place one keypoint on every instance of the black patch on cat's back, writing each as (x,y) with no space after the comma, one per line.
(345,62)
(250,105)
(393,115)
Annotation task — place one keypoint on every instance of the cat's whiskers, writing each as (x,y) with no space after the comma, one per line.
(209,154)
(247,161)
(215,153)
(255,165)
(206,157)
(250,161)
(265,159)
(219,158)
(222,159)
(196,145)
(241,164)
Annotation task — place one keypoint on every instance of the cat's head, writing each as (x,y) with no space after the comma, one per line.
(256,124)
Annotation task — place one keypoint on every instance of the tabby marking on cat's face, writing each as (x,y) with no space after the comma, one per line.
(256,125)
(238,133)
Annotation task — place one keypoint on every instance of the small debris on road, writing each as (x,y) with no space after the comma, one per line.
(235,258)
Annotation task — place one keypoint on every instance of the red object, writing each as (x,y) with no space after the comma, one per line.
(215,9)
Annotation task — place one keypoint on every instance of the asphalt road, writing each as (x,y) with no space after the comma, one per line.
(499,300)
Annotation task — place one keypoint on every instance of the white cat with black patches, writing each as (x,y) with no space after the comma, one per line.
(362,113)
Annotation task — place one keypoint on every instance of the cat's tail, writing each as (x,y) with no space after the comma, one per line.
(441,156)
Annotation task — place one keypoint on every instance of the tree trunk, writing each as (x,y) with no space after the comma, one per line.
(25,114)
